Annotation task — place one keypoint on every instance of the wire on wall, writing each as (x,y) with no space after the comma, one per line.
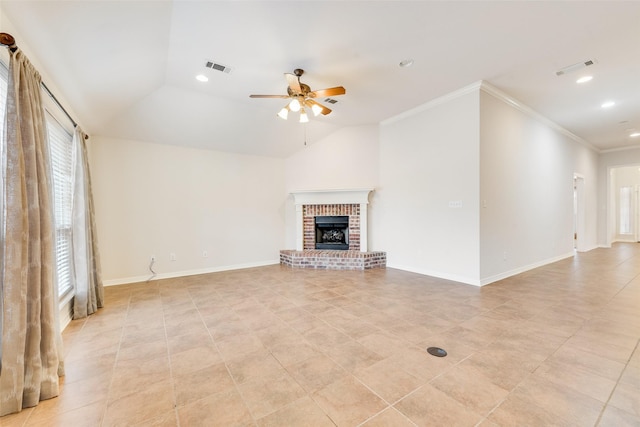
(153,273)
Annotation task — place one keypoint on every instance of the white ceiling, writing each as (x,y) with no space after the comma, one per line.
(127,68)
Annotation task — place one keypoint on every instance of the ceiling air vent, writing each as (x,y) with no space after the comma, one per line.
(575,67)
(330,100)
(217,67)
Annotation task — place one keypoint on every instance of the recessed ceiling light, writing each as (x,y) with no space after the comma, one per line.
(202,78)
(584,79)
(635,134)
(608,104)
(406,63)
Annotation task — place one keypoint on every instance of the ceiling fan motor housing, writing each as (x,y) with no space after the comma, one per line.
(304,90)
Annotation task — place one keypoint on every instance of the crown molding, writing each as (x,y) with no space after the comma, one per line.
(518,105)
(615,150)
(498,94)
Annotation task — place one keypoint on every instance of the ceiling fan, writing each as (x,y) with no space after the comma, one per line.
(302,97)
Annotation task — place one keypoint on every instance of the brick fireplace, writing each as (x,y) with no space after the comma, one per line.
(310,212)
(340,203)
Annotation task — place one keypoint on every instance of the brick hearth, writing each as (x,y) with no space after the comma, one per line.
(333,260)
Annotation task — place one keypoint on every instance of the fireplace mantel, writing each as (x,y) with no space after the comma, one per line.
(331,197)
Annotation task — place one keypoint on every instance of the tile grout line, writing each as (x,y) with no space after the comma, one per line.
(115,362)
(604,407)
(172,379)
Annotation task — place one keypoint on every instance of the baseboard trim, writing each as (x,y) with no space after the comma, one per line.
(590,248)
(66,314)
(625,241)
(173,275)
(513,272)
(440,275)
(483,281)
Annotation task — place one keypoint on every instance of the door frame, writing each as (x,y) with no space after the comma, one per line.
(579,216)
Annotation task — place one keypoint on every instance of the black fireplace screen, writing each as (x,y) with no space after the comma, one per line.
(332,232)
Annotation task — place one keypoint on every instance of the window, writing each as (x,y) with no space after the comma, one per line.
(61,154)
(4,72)
(4,76)
(625,210)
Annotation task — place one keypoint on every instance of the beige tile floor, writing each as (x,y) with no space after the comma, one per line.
(273,346)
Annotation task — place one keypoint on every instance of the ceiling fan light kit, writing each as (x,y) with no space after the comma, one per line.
(284,113)
(303,116)
(302,97)
(294,105)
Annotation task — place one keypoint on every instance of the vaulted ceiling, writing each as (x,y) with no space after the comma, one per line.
(127,68)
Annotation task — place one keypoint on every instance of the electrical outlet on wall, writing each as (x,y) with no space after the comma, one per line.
(205,254)
(172,256)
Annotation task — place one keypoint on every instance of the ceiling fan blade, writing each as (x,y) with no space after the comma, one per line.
(311,102)
(268,96)
(333,91)
(294,82)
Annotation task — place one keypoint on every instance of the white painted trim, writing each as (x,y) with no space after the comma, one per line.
(524,268)
(364,240)
(481,282)
(460,279)
(619,240)
(613,150)
(497,93)
(299,228)
(590,248)
(138,279)
(579,185)
(332,197)
(518,105)
(66,310)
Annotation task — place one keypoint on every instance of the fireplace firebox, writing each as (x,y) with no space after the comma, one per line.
(332,232)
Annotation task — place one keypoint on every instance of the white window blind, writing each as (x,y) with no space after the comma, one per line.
(61,154)
(4,76)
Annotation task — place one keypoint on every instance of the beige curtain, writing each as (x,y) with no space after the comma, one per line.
(86,261)
(31,342)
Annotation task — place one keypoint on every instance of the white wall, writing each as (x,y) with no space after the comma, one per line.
(155,199)
(527,169)
(346,159)
(428,158)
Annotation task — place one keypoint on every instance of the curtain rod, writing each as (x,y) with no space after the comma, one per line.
(9,41)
